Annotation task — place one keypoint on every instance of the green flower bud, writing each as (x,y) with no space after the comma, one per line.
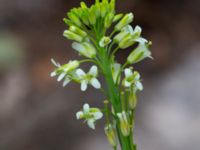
(126,42)
(128,18)
(132,100)
(104,41)
(68,22)
(111,134)
(85,17)
(78,31)
(83,5)
(97,10)
(140,53)
(117,17)
(86,49)
(92,18)
(104,9)
(112,6)
(74,19)
(72,36)
(124,124)
(108,20)
(120,36)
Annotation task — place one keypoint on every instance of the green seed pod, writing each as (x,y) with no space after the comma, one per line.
(132,100)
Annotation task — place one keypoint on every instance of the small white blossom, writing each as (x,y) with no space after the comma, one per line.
(91,115)
(63,71)
(88,78)
(132,78)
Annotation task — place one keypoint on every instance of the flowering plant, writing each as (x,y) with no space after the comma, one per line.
(98,33)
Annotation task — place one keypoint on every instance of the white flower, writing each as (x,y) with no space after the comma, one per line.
(63,71)
(132,78)
(89,78)
(91,115)
(104,41)
(124,123)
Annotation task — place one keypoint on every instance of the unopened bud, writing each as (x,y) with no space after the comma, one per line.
(124,123)
(86,49)
(128,18)
(110,132)
(78,31)
(72,36)
(74,19)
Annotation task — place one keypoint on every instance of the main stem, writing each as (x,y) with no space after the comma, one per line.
(126,142)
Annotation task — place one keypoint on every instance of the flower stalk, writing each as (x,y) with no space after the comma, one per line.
(89,28)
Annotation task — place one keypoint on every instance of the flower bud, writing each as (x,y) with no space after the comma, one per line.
(110,132)
(103,8)
(132,100)
(86,49)
(128,18)
(71,65)
(92,18)
(140,53)
(108,20)
(104,41)
(117,17)
(78,31)
(126,42)
(124,124)
(72,36)
(74,19)
(85,17)
(120,36)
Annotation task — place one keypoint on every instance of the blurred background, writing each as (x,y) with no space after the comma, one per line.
(36,113)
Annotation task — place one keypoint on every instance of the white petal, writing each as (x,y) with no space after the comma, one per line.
(84,85)
(98,115)
(127,84)
(80,73)
(79,115)
(61,76)
(141,40)
(90,123)
(93,71)
(67,80)
(139,85)
(95,83)
(54,62)
(128,72)
(86,108)
(53,74)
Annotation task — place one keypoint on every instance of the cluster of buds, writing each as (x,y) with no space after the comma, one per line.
(88,29)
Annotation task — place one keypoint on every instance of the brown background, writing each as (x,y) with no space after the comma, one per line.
(36,113)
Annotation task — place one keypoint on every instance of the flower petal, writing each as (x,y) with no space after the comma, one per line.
(128,72)
(53,74)
(80,73)
(79,115)
(91,124)
(84,84)
(139,85)
(61,76)
(98,115)
(55,63)
(127,84)
(95,83)
(67,80)
(86,108)
(93,71)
